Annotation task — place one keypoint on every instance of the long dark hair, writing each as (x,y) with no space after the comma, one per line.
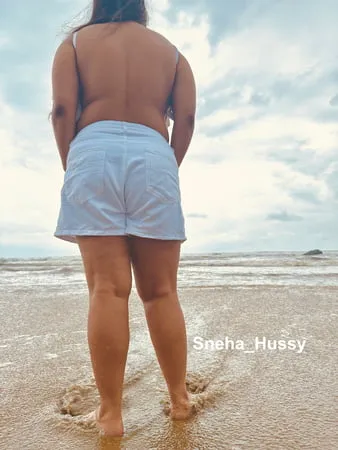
(104,11)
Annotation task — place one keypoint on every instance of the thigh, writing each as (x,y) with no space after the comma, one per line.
(106,262)
(155,264)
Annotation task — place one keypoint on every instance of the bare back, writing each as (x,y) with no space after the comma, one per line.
(127,73)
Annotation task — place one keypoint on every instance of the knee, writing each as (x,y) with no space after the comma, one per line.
(154,292)
(108,289)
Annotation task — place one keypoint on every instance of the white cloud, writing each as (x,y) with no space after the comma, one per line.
(260,149)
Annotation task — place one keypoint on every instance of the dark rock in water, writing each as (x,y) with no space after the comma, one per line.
(313,252)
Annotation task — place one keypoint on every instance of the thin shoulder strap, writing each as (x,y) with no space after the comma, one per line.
(80,96)
(177,55)
(74,39)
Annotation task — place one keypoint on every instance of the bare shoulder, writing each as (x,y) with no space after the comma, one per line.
(160,37)
(64,50)
(66,43)
(183,63)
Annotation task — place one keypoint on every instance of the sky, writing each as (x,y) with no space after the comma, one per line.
(261,173)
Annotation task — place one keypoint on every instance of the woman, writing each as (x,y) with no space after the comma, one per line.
(114,82)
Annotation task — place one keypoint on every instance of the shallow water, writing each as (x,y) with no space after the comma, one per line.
(207,270)
(246,398)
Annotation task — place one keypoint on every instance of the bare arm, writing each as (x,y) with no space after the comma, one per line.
(65,97)
(184,108)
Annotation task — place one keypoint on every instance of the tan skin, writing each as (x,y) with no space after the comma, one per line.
(142,102)
(128,72)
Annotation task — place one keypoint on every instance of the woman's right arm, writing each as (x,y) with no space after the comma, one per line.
(184,108)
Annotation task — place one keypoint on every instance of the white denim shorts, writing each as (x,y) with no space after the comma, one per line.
(121,179)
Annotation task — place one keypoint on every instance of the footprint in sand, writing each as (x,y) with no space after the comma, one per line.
(200,397)
(78,401)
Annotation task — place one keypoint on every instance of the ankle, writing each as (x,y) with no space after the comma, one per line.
(181,397)
(110,412)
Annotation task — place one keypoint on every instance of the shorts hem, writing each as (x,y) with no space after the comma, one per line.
(164,238)
(69,235)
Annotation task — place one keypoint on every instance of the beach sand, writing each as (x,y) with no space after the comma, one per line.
(263,399)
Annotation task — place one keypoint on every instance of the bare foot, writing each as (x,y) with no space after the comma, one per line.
(181,409)
(108,426)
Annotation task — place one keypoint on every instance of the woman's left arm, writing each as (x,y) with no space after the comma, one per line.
(65,97)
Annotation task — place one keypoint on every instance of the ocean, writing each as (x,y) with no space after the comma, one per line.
(196,270)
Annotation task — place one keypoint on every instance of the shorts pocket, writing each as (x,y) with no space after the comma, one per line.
(84,177)
(162,176)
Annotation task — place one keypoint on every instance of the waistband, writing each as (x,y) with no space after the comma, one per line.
(116,127)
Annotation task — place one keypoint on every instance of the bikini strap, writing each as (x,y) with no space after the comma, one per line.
(177,55)
(74,39)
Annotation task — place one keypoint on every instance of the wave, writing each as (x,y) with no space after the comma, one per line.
(267,263)
(40,269)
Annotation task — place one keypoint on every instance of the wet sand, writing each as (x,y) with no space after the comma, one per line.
(246,399)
